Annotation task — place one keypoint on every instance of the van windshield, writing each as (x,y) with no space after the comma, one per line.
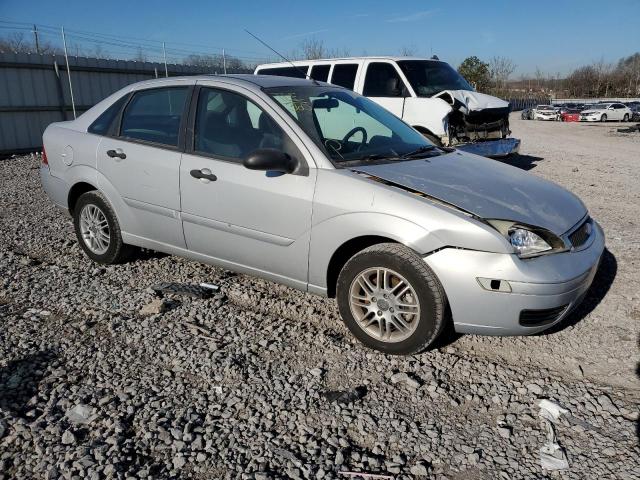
(349,127)
(429,77)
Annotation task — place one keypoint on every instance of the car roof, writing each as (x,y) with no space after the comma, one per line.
(246,79)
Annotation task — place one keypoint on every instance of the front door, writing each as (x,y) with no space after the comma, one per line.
(142,164)
(383,85)
(252,221)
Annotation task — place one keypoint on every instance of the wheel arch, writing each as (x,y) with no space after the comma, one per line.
(76,191)
(344,252)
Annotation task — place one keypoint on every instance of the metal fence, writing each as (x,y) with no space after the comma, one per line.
(34,91)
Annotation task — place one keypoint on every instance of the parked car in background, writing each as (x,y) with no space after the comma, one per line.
(314,186)
(545,112)
(635,113)
(602,112)
(428,94)
(570,115)
(527,114)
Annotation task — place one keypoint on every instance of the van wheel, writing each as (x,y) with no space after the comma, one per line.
(391,300)
(98,230)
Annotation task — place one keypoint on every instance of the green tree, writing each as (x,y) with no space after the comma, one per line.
(476,72)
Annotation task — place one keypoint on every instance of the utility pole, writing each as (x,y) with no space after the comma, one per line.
(35,34)
(66,57)
(164,54)
(224,62)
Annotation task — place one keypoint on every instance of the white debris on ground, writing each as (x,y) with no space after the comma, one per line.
(264,382)
(552,455)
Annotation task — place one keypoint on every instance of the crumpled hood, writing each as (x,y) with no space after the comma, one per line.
(487,189)
(472,101)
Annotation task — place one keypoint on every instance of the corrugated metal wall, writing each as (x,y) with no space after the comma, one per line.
(34,91)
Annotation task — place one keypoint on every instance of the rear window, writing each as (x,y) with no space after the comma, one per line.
(345,75)
(155,115)
(296,72)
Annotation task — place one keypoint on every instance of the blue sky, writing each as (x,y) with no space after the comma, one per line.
(555,35)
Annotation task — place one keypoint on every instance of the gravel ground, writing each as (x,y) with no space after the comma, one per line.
(244,385)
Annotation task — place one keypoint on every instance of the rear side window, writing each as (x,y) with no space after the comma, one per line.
(382,80)
(103,123)
(320,72)
(299,72)
(155,115)
(345,75)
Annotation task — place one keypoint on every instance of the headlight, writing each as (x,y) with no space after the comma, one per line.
(526,243)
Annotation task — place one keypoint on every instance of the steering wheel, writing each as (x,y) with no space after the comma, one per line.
(352,132)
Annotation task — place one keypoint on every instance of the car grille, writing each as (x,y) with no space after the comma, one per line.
(580,236)
(537,318)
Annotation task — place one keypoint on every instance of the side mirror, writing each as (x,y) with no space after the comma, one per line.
(270,160)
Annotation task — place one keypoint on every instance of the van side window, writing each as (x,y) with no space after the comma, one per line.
(320,72)
(382,80)
(154,115)
(344,75)
(296,72)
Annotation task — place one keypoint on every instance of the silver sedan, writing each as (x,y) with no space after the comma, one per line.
(316,187)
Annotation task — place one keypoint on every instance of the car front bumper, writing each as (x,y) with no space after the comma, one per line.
(492,148)
(546,288)
(590,119)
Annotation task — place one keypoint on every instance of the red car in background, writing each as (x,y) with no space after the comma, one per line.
(570,115)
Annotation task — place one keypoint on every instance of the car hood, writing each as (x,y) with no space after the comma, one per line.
(486,188)
(589,112)
(469,101)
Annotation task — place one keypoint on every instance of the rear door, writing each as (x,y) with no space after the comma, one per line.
(384,85)
(253,221)
(141,162)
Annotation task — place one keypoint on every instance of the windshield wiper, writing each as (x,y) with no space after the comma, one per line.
(418,151)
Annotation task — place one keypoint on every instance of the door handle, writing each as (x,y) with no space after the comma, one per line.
(116,153)
(204,174)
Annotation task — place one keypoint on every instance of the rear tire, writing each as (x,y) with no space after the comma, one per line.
(98,230)
(400,311)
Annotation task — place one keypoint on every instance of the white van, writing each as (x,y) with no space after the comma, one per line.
(428,94)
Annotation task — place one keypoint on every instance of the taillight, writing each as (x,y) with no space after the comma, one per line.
(44,158)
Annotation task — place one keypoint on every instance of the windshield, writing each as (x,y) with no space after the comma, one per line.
(428,77)
(349,127)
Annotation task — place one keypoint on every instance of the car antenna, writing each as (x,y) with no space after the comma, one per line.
(284,58)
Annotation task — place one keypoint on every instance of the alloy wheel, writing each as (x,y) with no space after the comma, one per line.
(384,304)
(94,229)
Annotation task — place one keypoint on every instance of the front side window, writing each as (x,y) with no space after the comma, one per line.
(344,74)
(349,127)
(155,115)
(428,77)
(382,80)
(231,126)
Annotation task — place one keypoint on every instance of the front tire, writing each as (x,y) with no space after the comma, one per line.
(98,230)
(625,118)
(603,118)
(391,300)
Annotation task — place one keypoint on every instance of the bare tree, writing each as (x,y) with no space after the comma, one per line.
(501,69)
(408,51)
(313,49)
